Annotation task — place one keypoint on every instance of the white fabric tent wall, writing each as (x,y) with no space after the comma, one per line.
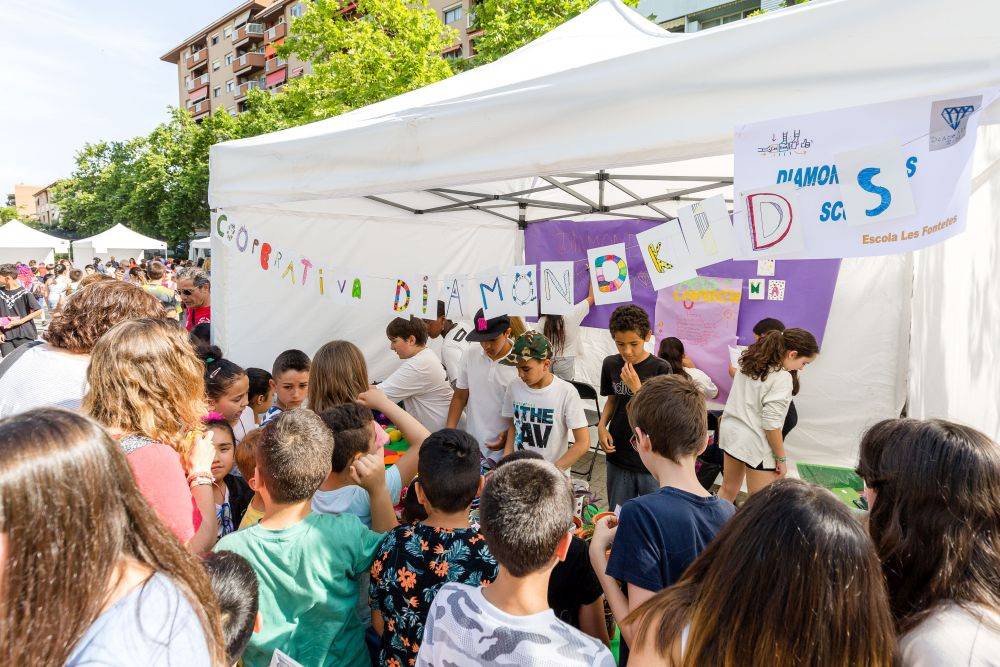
(199,247)
(119,242)
(21,243)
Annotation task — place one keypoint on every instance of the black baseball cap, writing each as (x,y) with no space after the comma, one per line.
(487,329)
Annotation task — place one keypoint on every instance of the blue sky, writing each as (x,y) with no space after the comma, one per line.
(86,70)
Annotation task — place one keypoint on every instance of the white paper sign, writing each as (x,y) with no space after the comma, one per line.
(765,267)
(708,231)
(667,259)
(521,290)
(949,120)
(458,304)
(775,290)
(609,274)
(755,289)
(556,288)
(773,222)
(491,294)
(873,184)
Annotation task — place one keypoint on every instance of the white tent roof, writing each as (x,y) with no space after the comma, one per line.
(203,243)
(16,234)
(119,236)
(636,94)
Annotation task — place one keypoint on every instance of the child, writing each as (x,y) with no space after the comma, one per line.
(759,329)
(621,376)
(355,434)
(659,534)
(526,510)
(339,375)
(575,593)
(260,394)
(672,352)
(18,310)
(307,564)
(750,431)
(246,461)
(541,407)
(232,494)
(482,384)
(235,586)
(289,382)
(420,381)
(563,333)
(226,387)
(449,340)
(415,561)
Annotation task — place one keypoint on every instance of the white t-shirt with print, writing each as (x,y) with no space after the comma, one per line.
(464,628)
(487,382)
(420,384)
(544,418)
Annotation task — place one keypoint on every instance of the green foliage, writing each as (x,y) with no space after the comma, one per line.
(510,24)
(7,213)
(388,48)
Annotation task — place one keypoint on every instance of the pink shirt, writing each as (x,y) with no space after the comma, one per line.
(160,477)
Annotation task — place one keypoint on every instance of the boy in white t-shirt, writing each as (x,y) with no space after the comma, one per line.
(420,381)
(448,340)
(542,408)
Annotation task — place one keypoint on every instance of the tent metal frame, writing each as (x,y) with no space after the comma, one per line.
(513,206)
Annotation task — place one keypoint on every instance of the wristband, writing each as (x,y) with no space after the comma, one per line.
(200,480)
(780,459)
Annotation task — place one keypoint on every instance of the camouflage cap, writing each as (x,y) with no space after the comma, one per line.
(529,345)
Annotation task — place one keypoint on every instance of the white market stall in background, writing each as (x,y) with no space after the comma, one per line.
(609,90)
(119,242)
(21,243)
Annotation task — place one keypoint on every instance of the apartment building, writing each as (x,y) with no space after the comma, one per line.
(24,201)
(695,15)
(460,15)
(221,63)
(47,212)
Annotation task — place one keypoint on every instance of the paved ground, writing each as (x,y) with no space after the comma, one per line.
(598,480)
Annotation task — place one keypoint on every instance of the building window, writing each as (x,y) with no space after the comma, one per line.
(215,39)
(216,65)
(229,59)
(453,14)
(296,10)
(228,33)
(230,85)
(216,91)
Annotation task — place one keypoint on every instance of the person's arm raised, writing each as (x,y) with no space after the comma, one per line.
(414,432)
(368,472)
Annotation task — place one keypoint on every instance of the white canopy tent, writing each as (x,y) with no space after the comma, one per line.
(607,116)
(200,247)
(119,242)
(21,243)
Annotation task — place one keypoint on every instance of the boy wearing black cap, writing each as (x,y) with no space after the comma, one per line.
(541,408)
(482,383)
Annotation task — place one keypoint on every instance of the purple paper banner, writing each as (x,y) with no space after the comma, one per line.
(809,284)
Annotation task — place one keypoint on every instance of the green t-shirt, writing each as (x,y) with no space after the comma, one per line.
(308,588)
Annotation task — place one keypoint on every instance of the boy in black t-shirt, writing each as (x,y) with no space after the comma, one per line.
(18,310)
(621,376)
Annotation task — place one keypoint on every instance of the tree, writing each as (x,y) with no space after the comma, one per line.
(7,213)
(381,49)
(510,24)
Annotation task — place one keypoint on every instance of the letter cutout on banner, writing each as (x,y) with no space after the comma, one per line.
(425,297)
(772,226)
(874,185)
(609,274)
(708,231)
(522,295)
(401,297)
(491,295)
(667,259)
(455,297)
(265,256)
(220,227)
(556,288)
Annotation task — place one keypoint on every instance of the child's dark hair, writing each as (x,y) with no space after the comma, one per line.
(448,469)
(260,383)
(520,455)
(672,352)
(201,338)
(671,411)
(234,583)
(402,327)
(555,330)
(351,435)
(219,373)
(413,511)
(8,271)
(768,324)
(290,360)
(215,422)
(630,318)
(766,355)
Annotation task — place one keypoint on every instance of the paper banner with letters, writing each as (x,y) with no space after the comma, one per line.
(773,226)
(665,254)
(709,231)
(836,161)
(610,274)
(491,293)
(556,286)
(703,313)
(522,290)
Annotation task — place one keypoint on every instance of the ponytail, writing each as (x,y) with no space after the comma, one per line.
(768,353)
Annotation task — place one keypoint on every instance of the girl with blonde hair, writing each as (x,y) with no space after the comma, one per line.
(88,574)
(146,388)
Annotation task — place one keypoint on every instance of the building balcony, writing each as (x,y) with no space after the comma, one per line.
(245,88)
(296,72)
(198,94)
(248,62)
(275,32)
(195,82)
(198,59)
(200,109)
(274,64)
(248,32)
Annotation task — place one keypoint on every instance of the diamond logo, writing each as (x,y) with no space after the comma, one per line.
(954,116)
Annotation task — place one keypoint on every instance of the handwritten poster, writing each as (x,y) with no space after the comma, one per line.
(665,254)
(610,274)
(556,285)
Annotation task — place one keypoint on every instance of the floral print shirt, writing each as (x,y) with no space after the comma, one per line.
(411,565)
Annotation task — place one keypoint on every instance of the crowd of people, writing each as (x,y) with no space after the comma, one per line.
(162,504)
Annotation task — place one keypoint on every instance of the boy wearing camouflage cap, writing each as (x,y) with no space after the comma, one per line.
(542,408)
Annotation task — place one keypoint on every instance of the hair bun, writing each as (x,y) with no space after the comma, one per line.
(209,354)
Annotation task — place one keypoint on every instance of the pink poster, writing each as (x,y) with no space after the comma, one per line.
(703,313)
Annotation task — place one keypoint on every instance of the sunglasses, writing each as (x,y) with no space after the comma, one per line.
(187,292)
